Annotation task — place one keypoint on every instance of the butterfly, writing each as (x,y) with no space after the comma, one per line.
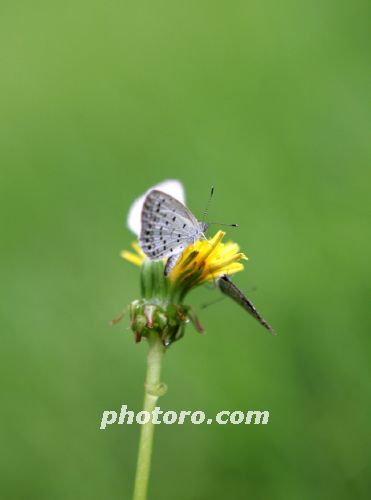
(168,227)
(227,286)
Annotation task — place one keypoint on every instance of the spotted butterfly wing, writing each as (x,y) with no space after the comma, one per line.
(168,227)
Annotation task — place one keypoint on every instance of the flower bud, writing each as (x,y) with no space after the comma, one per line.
(168,320)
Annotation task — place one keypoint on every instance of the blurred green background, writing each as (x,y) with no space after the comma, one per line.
(267,101)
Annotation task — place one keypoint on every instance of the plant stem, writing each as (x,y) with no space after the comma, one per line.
(153,389)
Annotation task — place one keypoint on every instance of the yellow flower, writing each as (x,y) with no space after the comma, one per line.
(206,260)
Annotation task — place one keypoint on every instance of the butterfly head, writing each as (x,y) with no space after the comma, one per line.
(203,227)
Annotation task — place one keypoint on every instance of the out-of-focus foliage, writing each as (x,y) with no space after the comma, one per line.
(267,101)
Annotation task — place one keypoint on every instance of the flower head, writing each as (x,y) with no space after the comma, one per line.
(162,307)
(206,260)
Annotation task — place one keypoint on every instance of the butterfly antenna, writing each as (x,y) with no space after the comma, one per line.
(207,209)
(221,224)
(208,204)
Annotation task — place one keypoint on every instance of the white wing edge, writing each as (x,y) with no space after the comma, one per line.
(172,187)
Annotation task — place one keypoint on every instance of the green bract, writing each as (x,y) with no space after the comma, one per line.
(158,310)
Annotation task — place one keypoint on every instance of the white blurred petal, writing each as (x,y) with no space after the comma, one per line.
(172,187)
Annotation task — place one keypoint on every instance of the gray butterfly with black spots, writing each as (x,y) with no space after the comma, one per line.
(168,227)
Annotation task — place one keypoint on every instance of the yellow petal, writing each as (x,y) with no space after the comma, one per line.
(137,248)
(132,257)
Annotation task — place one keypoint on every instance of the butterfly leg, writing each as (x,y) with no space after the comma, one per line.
(170,263)
(204,237)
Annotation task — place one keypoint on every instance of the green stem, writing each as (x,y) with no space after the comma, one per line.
(153,390)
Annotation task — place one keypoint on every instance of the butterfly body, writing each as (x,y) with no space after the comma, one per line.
(167,228)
